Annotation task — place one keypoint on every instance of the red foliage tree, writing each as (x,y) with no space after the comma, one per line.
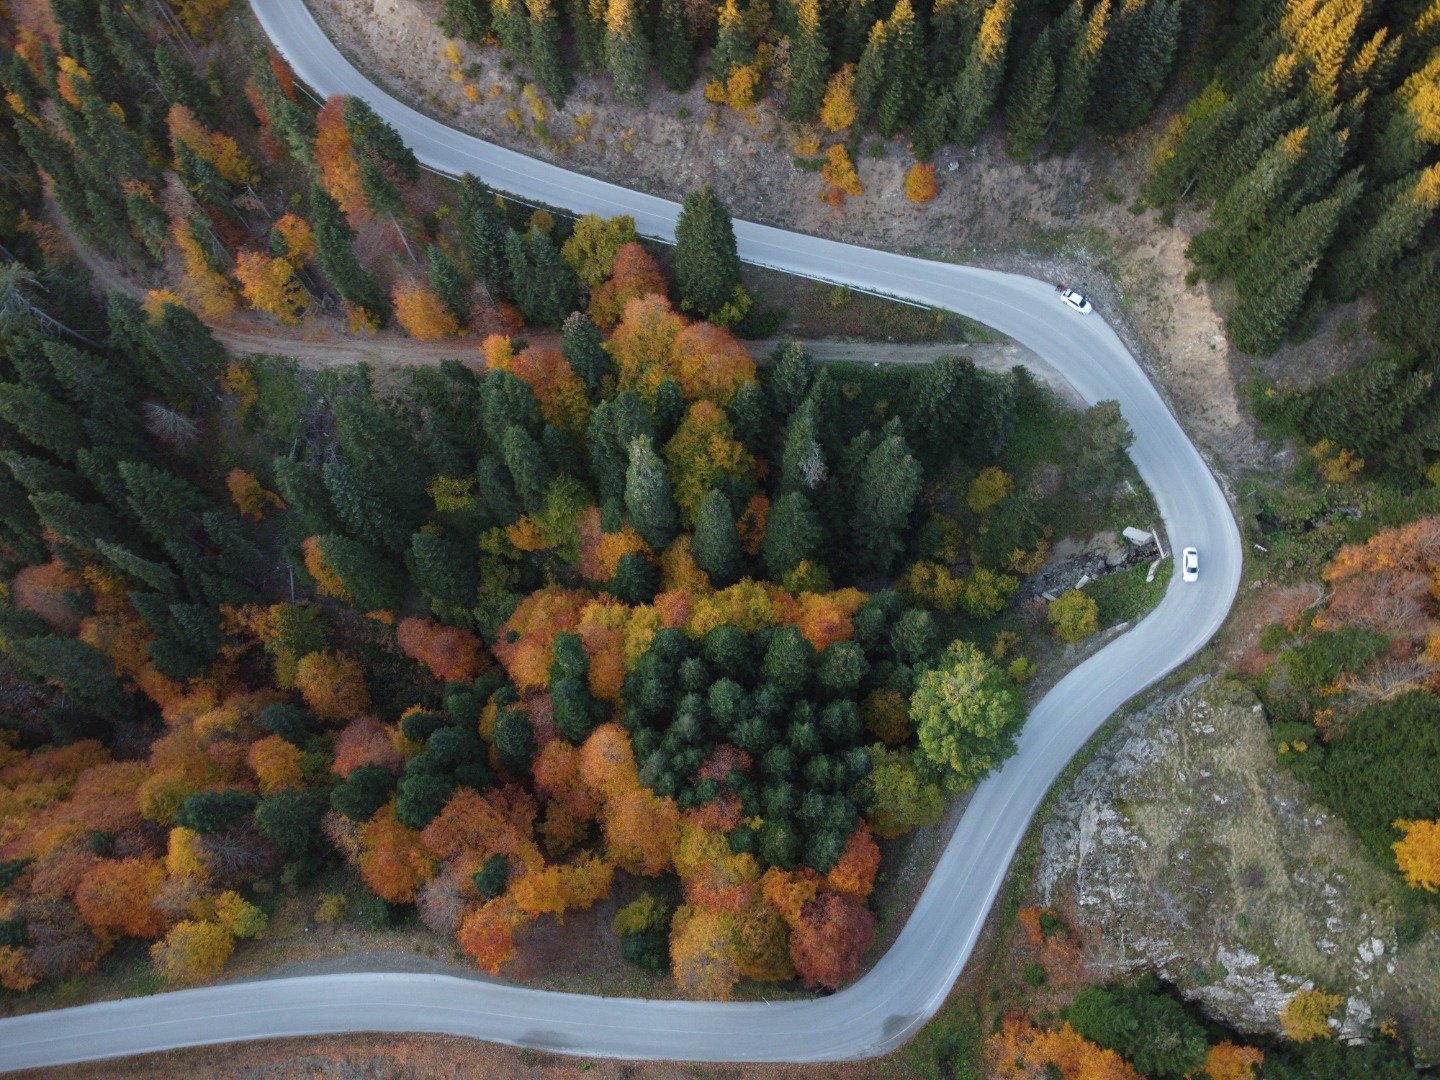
(365,741)
(833,933)
(451,654)
(487,933)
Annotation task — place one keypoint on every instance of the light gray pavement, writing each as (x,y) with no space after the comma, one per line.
(910,982)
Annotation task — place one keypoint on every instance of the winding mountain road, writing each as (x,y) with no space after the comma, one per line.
(910,982)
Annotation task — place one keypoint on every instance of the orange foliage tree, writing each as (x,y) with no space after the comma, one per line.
(1020,1050)
(703,449)
(641,345)
(487,933)
(326,579)
(298,237)
(526,642)
(710,363)
(219,149)
(558,390)
(392,861)
(641,829)
(635,274)
(193,952)
(335,156)
(116,895)
(333,685)
(249,497)
(451,654)
(1226,1061)
(498,821)
(45,589)
(419,309)
(554,890)
(855,872)
(920,182)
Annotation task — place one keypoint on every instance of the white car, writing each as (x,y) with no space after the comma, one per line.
(1076,300)
(1189,565)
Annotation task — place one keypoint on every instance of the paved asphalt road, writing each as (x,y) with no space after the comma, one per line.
(910,982)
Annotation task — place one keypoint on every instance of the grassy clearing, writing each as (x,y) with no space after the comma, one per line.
(1126,595)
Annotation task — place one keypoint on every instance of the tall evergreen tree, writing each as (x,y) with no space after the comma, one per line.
(809,65)
(1031,100)
(529,471)
(448,281)
(584,351)
(627,50)
(1077,78)
(707,261)
(546,62)
(648,497)
(1136,62)
(335,248)
(468,19)
(979,84)
(734,46)
(889,484)
(792,534)
(675,46)
(485,229)
(717,545)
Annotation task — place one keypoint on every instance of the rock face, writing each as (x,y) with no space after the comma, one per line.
(1183,849)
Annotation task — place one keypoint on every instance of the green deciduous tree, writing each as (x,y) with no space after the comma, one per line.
(967,712)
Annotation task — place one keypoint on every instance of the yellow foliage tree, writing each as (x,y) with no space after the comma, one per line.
(839,172)
(920,182)
(1306,1015)
(1074,616)
(839,109)
(192,952)
(270,285)
(422,313)
(1418,854)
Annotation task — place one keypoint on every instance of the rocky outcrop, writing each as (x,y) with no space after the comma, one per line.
(1183,849)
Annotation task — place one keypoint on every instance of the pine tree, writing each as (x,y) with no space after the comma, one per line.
(512,26)
(612,427)
(979,85)
(853,28)
(707,262)
(587,25)
(627,51)
(371,579)
(1138,56)
(485,230)
(80,669)
(675,46)
(809,65)
(1031,100)
(468,19)
(885,498)
(335,248)
(802,458)
(580,342)
(648,498)
(734,47)
(1243,215)
(167,506)
(871,74)
(792,535)
(179,83)
(445,570)
(546,62)
(1077,79)
(449,283)
(1409,206)
(903,65)
(49,424)
(1274,282)
(530,473)
(717,545)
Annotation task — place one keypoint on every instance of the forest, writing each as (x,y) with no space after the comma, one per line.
(607,601)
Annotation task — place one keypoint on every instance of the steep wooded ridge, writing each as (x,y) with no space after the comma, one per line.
(476,488)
